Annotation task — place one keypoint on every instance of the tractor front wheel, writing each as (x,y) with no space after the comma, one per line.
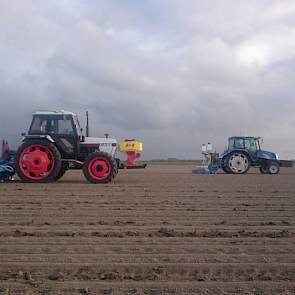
(238,163)
(99,167)
(273,168)
(38,161)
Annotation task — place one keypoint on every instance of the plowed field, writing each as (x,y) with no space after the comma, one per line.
(157,231)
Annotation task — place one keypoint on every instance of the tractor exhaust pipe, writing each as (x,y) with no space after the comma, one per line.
(87,124)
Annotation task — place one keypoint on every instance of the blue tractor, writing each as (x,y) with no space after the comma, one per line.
(245,152)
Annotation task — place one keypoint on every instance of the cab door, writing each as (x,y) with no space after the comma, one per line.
(251,147)
(64,133)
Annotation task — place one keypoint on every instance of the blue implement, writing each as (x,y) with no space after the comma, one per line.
(7,170)
(201,170)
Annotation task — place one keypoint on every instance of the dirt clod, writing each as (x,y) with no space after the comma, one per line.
(55,275)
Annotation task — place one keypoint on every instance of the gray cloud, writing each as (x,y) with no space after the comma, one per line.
(172,74)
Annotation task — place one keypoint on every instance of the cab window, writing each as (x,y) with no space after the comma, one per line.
(239,143)
(231,144)
(39,126)
(65,126)
(250,144)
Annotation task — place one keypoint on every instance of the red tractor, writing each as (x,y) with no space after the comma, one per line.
(55,144)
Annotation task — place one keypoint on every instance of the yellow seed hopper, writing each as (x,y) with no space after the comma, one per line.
(133,149)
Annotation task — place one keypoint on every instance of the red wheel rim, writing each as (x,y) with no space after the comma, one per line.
(99,168)
(36,162)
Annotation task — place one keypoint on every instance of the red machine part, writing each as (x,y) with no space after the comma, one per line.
(132,158)
(99,168)
(36,162)
(132,148)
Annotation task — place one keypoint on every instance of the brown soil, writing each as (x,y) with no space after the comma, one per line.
(161,230)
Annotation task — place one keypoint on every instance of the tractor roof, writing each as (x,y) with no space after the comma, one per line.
(54,112)
(245,137)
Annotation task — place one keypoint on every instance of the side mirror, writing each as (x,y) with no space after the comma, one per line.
(23,134)
(82,138)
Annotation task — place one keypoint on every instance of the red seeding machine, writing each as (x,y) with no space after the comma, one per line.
(133,149)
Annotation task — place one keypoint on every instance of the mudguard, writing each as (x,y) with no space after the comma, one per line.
(31,136)
(226,153)
(266,155)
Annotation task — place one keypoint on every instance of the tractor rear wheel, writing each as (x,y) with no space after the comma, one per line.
(238,163)
(273,168)
(38,161)
(99,167)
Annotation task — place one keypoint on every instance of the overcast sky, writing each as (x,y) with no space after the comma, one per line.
(172,73)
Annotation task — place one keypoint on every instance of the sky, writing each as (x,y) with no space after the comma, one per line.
(173,74)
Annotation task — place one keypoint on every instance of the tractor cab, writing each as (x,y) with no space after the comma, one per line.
(60,127)
(250,144)
(55,124)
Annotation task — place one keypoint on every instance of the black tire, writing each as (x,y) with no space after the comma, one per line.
(120,164)
(116,169)
(60,174)
(263,166)
(110,173)
(63,170)
(238,162)
(225,168)
(263,169)
(56,158)
(273,168)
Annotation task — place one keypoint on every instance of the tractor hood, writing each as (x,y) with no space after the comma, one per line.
(108,145)
(266,155)
(98,140)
